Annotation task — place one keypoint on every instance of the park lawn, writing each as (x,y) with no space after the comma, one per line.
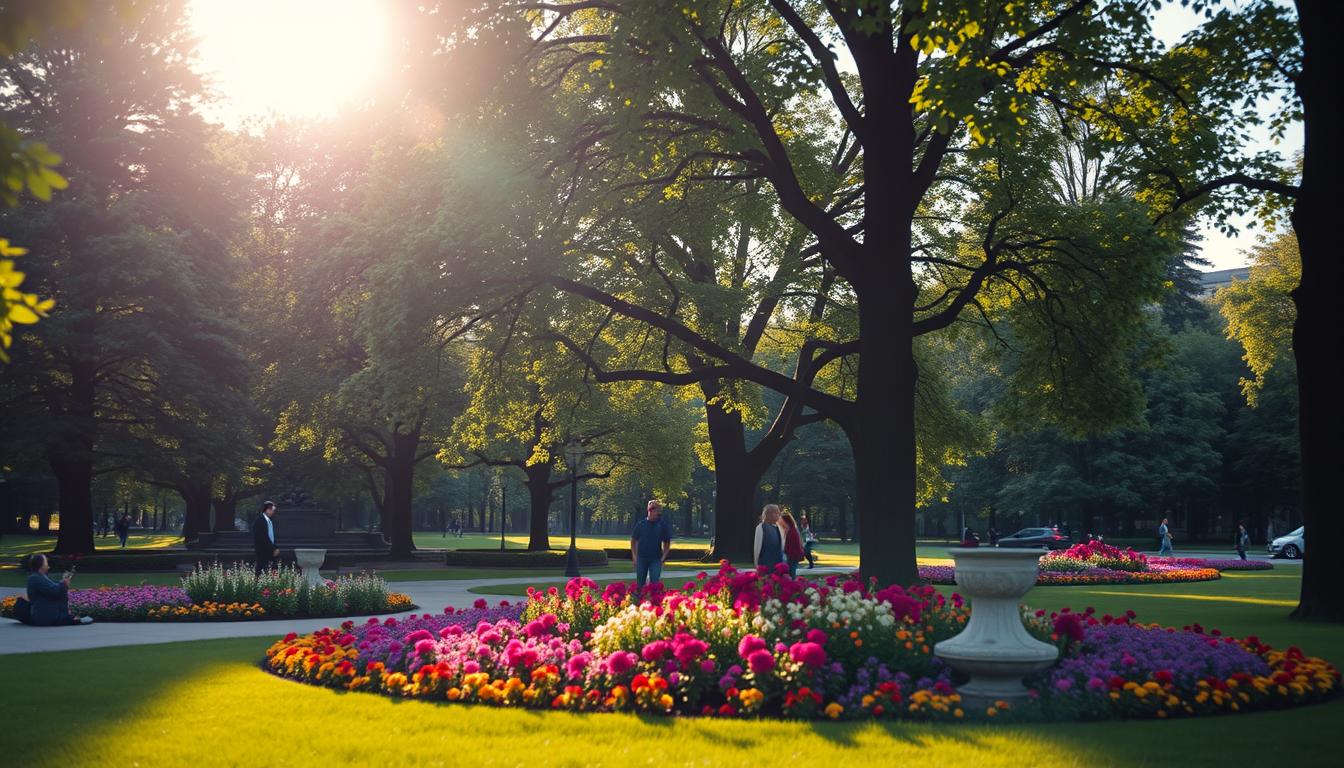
(199,704)
(17,545)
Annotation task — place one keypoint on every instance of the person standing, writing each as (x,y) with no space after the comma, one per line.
(123,529)
(1164,535)
(793,543)
(650,544)
(49,601)
(993,534)
(263,538)
(768,549)
(1243,540)
(809,542)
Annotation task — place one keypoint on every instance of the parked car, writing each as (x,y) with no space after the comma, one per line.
(1291,546)
(1037,537)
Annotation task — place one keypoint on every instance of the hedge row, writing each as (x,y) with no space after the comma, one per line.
(520,558)
(676,553)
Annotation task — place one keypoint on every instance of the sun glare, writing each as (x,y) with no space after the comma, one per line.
(298,58)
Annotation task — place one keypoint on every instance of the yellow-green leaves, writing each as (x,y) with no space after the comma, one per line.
(19,308)
(1260,312)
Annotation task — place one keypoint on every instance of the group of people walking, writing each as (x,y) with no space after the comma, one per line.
(779,539)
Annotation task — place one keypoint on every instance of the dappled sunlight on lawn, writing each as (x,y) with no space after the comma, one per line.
(18,544)
(1213,598)
(208,704)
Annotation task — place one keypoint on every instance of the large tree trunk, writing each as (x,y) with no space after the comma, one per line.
(196,496)
(226,511)
(71,460)
(74,482)
(399,489)
(1315,333)
(735,516)
(539,494)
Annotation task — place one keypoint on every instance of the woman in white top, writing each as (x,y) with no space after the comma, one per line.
(768,549)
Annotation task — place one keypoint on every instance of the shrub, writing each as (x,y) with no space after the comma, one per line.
(494,558)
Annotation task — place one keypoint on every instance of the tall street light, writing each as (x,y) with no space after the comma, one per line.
(503,506)
(573,454)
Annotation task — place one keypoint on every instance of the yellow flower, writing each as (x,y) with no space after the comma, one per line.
(834,709)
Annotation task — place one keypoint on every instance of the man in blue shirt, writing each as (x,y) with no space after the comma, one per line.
(649,545)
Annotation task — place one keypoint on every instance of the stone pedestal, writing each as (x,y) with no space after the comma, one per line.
(310,560)
(995,649)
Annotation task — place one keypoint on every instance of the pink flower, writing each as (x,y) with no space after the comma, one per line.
(480,603)
(655,650)
(760,661)
(808,654)
(577,664)
(749,645)
(816,636)
(687,648)
(620,662)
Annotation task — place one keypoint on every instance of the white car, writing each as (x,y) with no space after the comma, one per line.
(1291,546)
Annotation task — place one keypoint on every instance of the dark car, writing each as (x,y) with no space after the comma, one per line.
(1037,537)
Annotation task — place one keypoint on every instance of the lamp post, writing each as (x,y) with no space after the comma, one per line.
(573,453)
(503,507)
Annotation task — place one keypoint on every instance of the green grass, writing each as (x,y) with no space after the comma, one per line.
(207,704)
(191,703)
(17,545)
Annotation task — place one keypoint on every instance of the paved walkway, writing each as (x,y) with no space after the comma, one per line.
(431,596)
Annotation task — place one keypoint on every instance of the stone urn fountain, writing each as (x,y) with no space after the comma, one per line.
(995,649)
(309,561)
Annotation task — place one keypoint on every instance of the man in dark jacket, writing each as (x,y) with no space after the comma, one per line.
(263,538)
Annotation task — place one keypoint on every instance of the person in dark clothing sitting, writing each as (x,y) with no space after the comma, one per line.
(49,601)
(263,538)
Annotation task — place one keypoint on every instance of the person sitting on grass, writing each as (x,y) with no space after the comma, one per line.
(49,600)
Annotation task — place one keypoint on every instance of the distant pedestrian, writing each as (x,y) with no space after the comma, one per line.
(1164,536)
(768,549)
(793,543)
(1243,540)
(264,543)
(123,529)
(993,534)
(809,541)
(650,544)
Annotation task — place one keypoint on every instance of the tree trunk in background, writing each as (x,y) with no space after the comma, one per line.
(539,495)
(399,488)
(734,487)
(226,510)
(1315,332)
(71,460)
(196,496)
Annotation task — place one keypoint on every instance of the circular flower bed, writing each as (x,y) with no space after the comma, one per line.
(1099,563)
(738,644)
(234,594)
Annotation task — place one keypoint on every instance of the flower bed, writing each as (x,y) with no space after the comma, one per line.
(1156,574)
(1099,563)
(236,594)
(762,644)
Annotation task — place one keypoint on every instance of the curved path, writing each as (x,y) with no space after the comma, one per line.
(431,596)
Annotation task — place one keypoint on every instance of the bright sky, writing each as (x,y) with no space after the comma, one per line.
(304,58)
(1171,23)
(294,58)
